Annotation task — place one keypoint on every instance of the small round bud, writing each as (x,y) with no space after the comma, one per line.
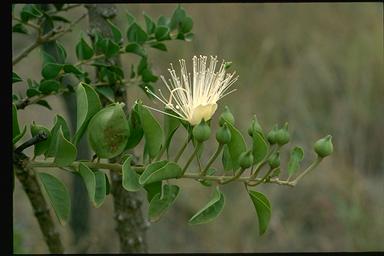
(246,159)
(274,160)
(271,136)
(202,131)
(282,135)
(324,147)
(226,116)
(255,126)
(223,135)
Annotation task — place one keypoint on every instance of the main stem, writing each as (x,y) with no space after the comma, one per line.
(27,177)
(130,222)
(212,159)
(139,169)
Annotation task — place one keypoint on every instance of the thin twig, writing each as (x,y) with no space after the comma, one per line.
(28,23)
(139,169)
(52,35)
(67,8)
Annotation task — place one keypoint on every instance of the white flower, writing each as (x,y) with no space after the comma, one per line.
(194,99)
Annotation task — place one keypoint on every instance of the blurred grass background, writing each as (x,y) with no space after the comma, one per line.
(317,66)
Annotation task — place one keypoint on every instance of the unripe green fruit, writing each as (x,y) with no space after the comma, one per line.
(255,126)
(108,131)
(282,135)
(223,134)
(201,132)
(271,136)
(226,116)
(274,160)
(324,147)
(246,159)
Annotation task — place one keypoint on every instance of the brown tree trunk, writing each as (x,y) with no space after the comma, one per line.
(130,222)
(28,180)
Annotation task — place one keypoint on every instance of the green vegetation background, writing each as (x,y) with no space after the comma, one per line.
(317,66)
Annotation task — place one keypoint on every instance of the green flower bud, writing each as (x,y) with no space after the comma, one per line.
(246,159)
(226,116)
(271,136)
(324,147)
(255,126)
(223,135)
(108,131)
(202,131)
(282,135)
(274,160)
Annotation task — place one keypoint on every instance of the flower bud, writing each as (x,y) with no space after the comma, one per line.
(226,116)
(202,131)
(274,160)
(108,131)
(255,126)
(271,136)
(246,159)
(282,135)
(223,134)
(324,147)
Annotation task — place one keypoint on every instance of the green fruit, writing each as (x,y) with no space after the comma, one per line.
(324,147)
(274,160)
(202,131)
(226,116)
(223,135)
(108,131)
(246,159)
(282,135)
(271,136)
(255,126)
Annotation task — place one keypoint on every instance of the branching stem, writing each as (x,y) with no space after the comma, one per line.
(212,159)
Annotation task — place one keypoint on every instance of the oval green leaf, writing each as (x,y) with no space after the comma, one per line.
(115,32)
(58,196)
(150,24)
(65,152)
(211,210)
(136,49)
(136,34)
(259,147)
(263,209)
(186,25)
(87,105)
(236,146)
(153,189)
(297,156)
(15,123)
(51,70)
(162,33)
(130,178)
(59,123)
(15,78)
(89,180)
(160,171)
(83,50)
(101,188)
(137,132)
(161,202)
(170,126)
(49,86)
(152,131)
(226,159)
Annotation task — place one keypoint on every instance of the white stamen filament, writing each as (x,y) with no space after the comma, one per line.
(195,98)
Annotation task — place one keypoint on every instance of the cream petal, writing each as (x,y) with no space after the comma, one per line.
(202,112)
